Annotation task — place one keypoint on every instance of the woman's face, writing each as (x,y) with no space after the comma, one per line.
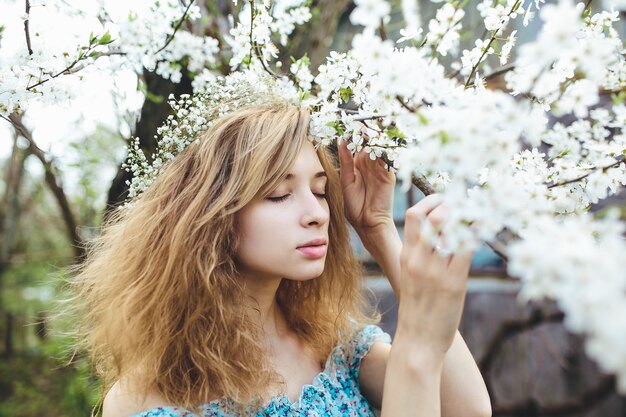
(285,234)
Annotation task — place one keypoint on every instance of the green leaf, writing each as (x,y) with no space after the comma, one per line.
(337,126)
(105,39)
(444,137)
(345,94)
(618,98)
(395,133)
(423,119)
(303,95)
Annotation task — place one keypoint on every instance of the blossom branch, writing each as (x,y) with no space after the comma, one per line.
(170,38)
(499,71)
(405,105)
(26,28)
(453,24)
(485,49)
(68,70)
(620,159)
(255,47)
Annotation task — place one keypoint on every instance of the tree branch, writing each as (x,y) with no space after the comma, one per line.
(255,47)
(53,184)
(493,38)
(499,71)
(178,25)
(26,29)
(620,159)
(73,68)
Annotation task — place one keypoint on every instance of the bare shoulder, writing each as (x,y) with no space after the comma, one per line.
(123,400)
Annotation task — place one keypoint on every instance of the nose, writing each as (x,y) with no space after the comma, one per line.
(315,210)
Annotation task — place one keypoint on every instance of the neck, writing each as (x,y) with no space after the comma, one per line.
(261,296)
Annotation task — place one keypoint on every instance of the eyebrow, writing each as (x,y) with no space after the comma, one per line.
(317,175)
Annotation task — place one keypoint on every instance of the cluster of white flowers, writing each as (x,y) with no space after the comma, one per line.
(496,20)
(300,69)
(575,50)
(443,30)
(286,17)
(338,73)
(573,260)
(370,13)
(25,76)
(141,35)
(280,20)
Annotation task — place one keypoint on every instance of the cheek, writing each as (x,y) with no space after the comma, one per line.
(259,229)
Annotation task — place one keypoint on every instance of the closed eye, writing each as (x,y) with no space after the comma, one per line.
(278,199)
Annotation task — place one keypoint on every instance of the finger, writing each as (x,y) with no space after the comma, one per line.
(460,264)
(437,216)
(422,208)
(346,163)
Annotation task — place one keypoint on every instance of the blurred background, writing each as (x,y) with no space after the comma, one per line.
(60,171)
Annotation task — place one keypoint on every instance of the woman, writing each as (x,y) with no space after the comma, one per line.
(229,287)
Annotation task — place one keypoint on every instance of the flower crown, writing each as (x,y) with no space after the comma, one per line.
(193,115)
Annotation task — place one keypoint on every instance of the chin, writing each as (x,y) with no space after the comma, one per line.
(307,275)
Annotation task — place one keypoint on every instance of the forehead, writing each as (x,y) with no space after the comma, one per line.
(306,163)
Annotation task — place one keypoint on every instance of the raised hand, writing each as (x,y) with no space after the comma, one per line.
(433,284)
(367,188)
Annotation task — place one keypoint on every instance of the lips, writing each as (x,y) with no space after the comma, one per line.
(313,249)
(314,242)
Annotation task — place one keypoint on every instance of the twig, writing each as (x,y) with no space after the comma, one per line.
(499,71)
(493,38)
(405,105)
(614,91)
(26,29)
(620,159)
(67,70)
(255,47)
(73,68)
(178,25)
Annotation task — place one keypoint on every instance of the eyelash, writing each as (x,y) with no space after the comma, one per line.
(284,197)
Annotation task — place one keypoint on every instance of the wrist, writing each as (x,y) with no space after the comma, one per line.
(375,236)
(416,355)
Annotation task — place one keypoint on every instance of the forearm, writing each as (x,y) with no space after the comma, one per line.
(463,390)
(412,381)
(384,244)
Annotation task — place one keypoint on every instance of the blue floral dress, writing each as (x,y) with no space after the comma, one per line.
(334,392)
